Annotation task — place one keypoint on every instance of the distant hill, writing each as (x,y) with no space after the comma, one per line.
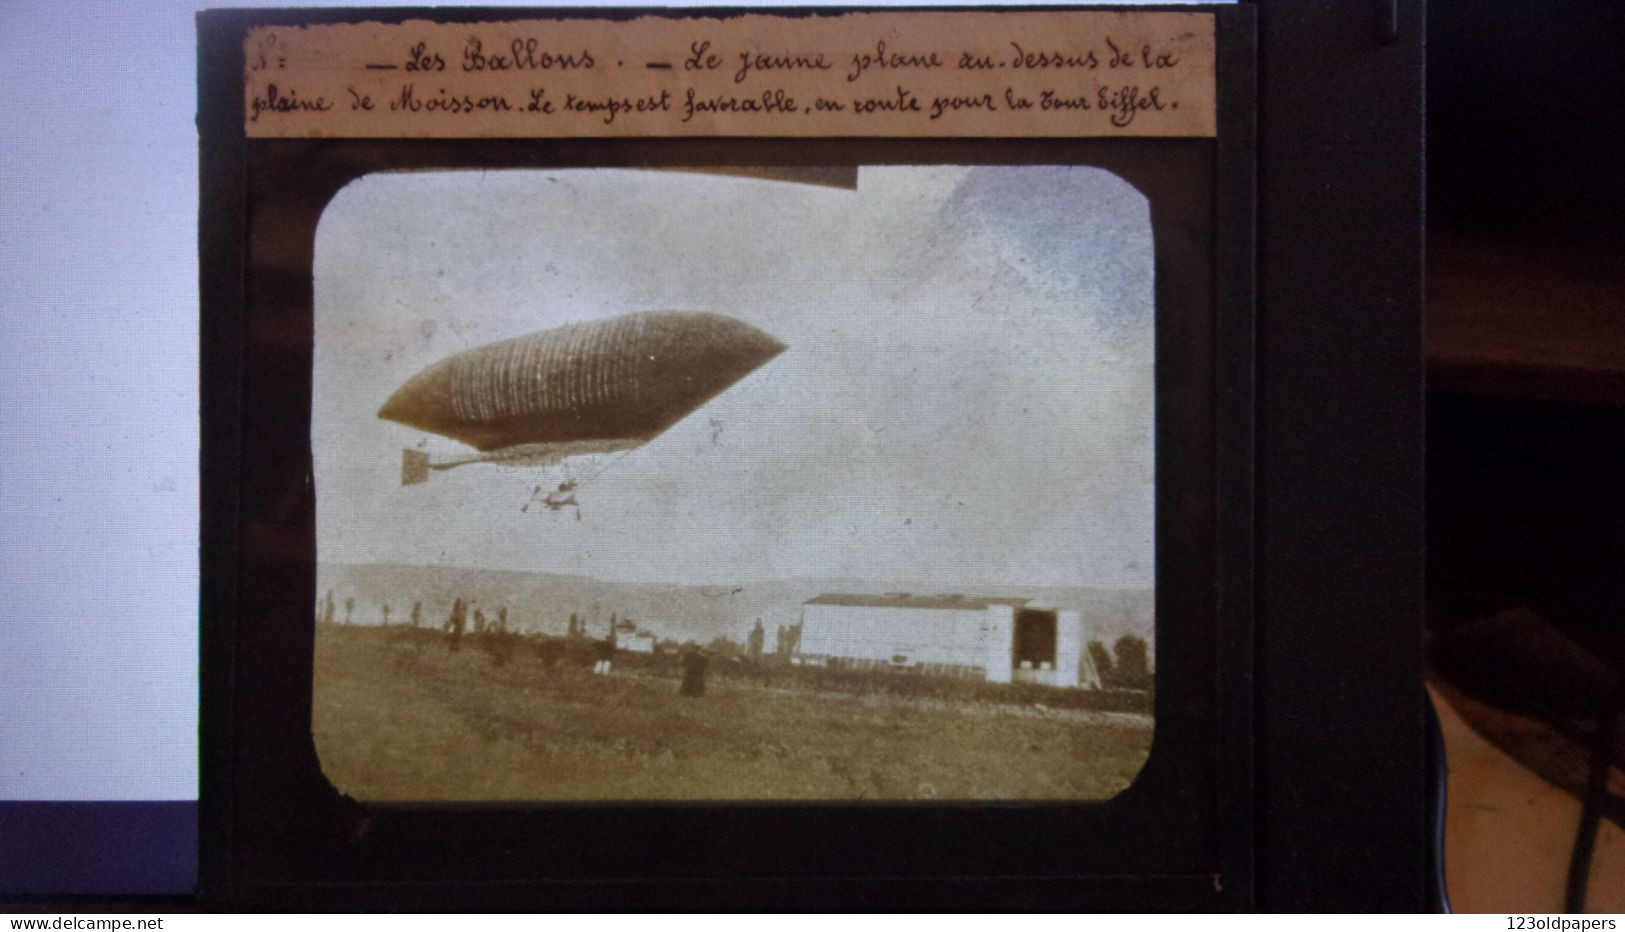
(543,602)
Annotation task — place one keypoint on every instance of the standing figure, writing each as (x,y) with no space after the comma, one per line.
(694,663)
(417,613)
(792,634)
(605,652)
(758,635)
(454,624)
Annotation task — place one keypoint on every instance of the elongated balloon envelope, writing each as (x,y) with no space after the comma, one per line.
(584,388)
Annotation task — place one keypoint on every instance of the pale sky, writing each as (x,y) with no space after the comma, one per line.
(966,402)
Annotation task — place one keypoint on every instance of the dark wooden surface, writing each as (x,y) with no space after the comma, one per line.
(1520,317)
(1526,207)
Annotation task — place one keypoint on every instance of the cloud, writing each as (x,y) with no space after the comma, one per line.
(966,401)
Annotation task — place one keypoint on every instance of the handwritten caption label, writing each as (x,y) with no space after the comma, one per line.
(1056,74)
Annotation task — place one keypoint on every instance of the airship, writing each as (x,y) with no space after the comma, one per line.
(590,388)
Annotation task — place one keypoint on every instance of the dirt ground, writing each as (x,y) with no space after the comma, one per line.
(398,716)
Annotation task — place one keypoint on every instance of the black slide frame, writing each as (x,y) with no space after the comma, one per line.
(1297,419)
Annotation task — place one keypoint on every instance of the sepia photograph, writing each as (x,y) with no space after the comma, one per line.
(721,484)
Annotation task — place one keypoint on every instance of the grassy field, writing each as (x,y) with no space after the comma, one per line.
(398,716)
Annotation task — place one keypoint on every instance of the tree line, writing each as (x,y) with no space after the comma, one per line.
(1125,665)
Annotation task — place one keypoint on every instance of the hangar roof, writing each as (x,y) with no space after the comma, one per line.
(909,600)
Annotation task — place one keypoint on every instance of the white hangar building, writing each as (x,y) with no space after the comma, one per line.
(1001,640)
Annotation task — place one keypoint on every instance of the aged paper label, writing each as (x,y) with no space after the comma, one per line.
(1035,74)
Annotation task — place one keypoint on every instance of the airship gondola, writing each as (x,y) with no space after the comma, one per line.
(590,388)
